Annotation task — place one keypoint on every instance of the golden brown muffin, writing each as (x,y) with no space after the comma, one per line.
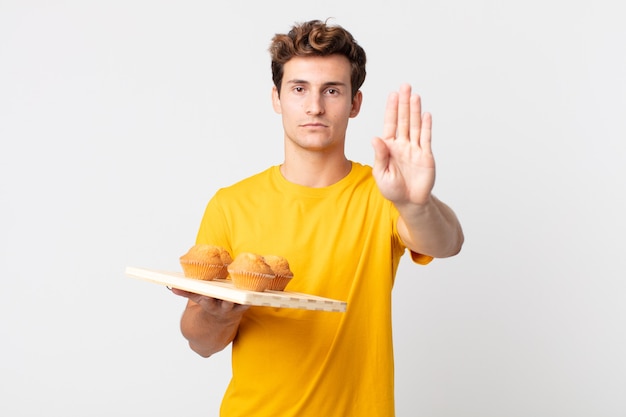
(281,269)
(226,258)
(204,262)
(249,271)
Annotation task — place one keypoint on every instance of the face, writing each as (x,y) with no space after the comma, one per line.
(315,102)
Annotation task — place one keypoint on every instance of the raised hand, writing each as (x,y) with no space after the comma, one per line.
(404,166)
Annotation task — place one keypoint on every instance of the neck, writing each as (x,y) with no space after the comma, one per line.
(315,170)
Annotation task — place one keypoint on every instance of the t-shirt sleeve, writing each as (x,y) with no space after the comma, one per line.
(420,259)
(214,226)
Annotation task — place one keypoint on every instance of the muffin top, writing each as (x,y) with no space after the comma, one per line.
(225,256)
(210,254)
(250,262)
(279,265)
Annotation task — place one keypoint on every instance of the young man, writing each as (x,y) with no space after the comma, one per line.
(343,227)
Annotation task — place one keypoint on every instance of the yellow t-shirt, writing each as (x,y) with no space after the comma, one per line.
(341,242)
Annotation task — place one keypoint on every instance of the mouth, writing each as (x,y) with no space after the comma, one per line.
(313,125)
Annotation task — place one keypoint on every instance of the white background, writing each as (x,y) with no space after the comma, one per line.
(120,119)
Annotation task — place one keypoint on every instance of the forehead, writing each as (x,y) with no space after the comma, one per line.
(318,69)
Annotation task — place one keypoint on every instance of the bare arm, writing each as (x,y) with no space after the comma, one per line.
(404,169)
(432,229)
(209,324)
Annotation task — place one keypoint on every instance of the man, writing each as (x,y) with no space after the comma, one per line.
(343,227)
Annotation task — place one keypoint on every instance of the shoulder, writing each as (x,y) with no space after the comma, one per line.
(362,179)
(249,184)
(361,169)
(361,174)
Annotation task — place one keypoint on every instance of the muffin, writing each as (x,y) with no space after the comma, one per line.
(225,257)
(226,260)
(205,262)
(280,267)
(249,271)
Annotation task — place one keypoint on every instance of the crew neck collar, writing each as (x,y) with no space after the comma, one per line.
(312,191)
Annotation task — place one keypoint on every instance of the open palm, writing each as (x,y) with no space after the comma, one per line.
(404,166)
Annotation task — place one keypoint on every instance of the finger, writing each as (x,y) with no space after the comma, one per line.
(182,293)
(179,292)
(404,111)
(240,307)
(391,116)
(227,305)
(426,133)
(207,303)
(416,119)
(230,307)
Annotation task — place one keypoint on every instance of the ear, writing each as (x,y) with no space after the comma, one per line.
(356,104)
(276,100)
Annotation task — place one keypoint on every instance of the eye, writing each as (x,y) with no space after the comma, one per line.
(298,89)
(332,91)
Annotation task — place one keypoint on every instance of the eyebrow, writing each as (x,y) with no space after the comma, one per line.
(326,84)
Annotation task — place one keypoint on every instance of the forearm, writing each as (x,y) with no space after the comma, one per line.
(206,334)
(430,229)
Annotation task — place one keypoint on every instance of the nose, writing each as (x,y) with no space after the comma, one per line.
(314,104)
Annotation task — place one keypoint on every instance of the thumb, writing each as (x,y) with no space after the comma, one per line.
(381,153)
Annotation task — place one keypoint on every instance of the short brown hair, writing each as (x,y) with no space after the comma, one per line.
(317,38)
